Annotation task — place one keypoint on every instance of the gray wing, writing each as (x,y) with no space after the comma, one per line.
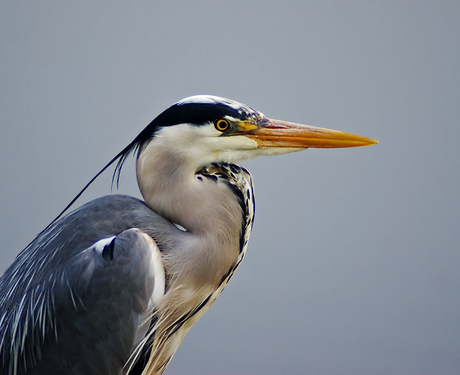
(74,300)
(98,301)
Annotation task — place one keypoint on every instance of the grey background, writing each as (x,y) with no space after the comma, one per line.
(353,266)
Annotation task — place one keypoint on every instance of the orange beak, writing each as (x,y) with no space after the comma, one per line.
(277,133)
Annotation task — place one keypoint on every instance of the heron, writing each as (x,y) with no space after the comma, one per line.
(114,286)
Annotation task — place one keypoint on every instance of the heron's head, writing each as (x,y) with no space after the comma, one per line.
(203,129)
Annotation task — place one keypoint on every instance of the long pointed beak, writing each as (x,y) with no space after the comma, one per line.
(277,133)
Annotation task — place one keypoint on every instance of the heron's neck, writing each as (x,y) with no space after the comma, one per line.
(170,186)
(206,208)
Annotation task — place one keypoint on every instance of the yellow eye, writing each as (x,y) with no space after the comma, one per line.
(222,125)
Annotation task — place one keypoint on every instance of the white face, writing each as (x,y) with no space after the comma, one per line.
(202,145)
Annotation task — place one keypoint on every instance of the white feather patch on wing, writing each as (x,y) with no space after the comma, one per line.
(99,245)
(156,269)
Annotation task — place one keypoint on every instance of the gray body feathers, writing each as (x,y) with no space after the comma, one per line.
(71,314)
(75,300)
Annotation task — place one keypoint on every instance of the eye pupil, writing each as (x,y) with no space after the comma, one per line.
(222,125)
